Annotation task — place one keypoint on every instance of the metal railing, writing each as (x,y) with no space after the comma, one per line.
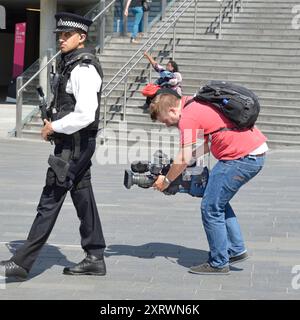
(227,9)
(98,11)
(20,86)
(148,45)
(234,5)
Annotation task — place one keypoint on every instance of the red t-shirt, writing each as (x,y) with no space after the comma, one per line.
(225,145)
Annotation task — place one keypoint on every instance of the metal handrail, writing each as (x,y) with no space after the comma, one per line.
(103,11)
(145,45)
(233,7)
(41,69)
(21,86)
(37,73)
(171,21)
(173,18)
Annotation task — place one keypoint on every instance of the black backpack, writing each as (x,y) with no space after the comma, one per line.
(239,104)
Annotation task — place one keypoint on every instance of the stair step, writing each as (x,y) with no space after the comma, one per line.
(212,43)
(255,25)
(263,117)
(231,56)
(281,144)
(189,77)
(265,52)
(261,37)
(279,126)
(293,137)
(260,50)
(271,75)
(240,59)
(281,109)
(138,100)
(286,94)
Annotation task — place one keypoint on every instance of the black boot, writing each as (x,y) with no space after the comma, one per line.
(12,270)
(91,265)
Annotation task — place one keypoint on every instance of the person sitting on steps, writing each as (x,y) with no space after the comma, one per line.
(169,77)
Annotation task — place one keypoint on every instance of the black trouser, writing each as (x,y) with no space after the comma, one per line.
(52,198)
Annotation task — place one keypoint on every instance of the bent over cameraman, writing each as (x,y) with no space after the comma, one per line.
(75,117)
(241,156)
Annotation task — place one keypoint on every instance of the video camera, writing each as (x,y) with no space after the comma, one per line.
(144,173)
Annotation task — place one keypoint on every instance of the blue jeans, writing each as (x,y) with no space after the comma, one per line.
(138,21)
(220,223)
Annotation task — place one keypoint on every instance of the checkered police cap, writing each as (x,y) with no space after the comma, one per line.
(69,22)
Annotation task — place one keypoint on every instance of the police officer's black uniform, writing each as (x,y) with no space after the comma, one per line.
(69,171)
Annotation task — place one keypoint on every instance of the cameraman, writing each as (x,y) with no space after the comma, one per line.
(241,156)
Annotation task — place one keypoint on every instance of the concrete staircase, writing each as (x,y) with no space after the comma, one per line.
(259,50)
(114,19)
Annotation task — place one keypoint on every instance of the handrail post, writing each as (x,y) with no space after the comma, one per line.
(49,66)
(150,69)
(150,73)
(233,10)
(101,27)
(19,105)
(125,96)
(174,40)
(163,8)
(124,20)
(195,18)
(145,21)
(105,111)
(241,6)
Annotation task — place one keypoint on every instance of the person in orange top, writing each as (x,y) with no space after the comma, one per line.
(240,154)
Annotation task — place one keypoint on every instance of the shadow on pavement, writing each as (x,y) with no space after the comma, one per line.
(180,255)
(183,256)
(55,258)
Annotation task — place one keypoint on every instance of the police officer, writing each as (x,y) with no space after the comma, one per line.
(73,124)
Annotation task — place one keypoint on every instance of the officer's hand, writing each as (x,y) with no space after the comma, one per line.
(126,12)
(159,184)
(47,130)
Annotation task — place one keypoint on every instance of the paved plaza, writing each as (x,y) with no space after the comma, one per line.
(152,239)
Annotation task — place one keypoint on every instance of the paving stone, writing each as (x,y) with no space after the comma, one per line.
(152,240)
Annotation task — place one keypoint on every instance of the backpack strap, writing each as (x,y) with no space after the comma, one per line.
(210,133)
(188,102)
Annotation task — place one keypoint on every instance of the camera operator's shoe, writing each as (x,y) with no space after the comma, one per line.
(239,258)
(12,270)
(206,268)
(90,265)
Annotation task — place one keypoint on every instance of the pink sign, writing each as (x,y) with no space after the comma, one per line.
(19,50)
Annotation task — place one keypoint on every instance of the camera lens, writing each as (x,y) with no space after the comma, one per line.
(143,180)
(128,179)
